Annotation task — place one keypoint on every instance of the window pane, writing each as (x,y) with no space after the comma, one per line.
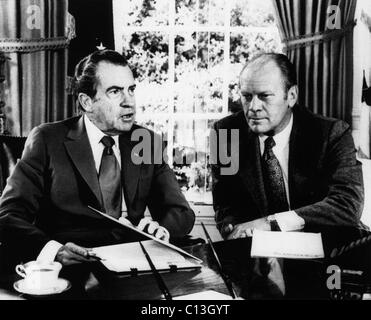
(186,13)
(144,12)
(252,13)
(199,89)
(245,46)
(148,56)
(185,72)
(201,12)
(191,145)
(210,72)
(159,126)
(211,12)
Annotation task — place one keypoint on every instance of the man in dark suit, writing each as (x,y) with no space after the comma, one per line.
(295,169)
(90,160)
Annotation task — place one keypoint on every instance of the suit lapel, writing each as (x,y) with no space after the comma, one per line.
(251,172)
(79,150)
(130,170)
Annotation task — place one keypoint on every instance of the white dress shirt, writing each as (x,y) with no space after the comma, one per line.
(95,135)
(288,220)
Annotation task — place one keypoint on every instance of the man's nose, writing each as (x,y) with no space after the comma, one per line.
(255,104)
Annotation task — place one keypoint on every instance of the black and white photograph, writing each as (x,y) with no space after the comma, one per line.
(185,157)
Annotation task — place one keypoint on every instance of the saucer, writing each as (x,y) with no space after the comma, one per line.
(60,286)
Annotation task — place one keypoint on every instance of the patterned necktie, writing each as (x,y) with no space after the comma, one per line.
(273,179)
(110,179)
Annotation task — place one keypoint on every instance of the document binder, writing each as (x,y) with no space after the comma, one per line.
(128,258)
(133,228)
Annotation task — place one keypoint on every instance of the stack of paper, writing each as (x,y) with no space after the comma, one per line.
(294,245)
(127,256)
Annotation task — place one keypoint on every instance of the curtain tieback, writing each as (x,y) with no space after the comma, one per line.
(319,37)
(31,45)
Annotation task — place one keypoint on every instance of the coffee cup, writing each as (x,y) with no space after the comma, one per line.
(39,275)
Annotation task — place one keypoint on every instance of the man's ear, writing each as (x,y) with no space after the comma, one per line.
(292,96)
(85,101)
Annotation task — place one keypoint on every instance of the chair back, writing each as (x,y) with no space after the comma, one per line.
(11,149)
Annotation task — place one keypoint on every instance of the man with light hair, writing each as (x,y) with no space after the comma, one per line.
(297,170)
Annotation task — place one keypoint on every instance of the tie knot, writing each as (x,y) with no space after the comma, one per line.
(269,143)
(108,141)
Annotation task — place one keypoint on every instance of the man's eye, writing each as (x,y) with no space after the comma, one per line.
(248,97)
(114,91)
(264,96)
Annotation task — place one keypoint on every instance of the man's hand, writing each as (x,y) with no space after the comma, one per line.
(244,230)
(152,227)
(71,253)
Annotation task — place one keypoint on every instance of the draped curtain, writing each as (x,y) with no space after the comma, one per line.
(35,35)
(319,41)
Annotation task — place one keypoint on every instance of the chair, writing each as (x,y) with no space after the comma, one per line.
(11,149)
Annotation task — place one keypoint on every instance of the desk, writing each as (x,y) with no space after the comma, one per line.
(253,278)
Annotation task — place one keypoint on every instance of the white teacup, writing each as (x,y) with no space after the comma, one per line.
(39,275)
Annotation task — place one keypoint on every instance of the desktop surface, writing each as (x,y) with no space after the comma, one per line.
(252,278)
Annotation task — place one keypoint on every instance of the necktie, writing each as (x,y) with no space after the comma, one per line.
(273,179)
(110,179)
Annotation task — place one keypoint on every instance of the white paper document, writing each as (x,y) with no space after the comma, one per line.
(127,256)
(292,245)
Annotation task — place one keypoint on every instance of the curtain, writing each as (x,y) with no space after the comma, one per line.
(90,36)
(319,41)
(35,35)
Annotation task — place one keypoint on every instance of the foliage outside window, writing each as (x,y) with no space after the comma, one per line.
(187,55)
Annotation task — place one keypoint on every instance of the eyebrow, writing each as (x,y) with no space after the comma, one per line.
(121,88)
(114,87)
(257,93)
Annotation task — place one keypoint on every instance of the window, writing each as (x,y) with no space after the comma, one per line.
(187,55)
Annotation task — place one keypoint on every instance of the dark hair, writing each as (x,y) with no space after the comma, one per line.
(282,62)
(85,79)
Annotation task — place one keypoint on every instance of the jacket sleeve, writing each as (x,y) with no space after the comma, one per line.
(167,203)
(225,199)
(20,202)
(343,203)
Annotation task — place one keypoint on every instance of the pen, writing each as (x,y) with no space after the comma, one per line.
(225,278)
(95,258)
(159,280)
(92,255)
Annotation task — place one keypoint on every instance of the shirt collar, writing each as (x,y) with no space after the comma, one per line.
(281,139)
(95,135)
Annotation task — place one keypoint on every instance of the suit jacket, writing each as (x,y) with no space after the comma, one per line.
(325,179)
(48,193)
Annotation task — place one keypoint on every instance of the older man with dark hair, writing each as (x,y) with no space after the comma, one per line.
(296,169)
(88,161)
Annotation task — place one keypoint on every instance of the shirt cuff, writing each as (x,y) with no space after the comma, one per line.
(289,221)
(49,251)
